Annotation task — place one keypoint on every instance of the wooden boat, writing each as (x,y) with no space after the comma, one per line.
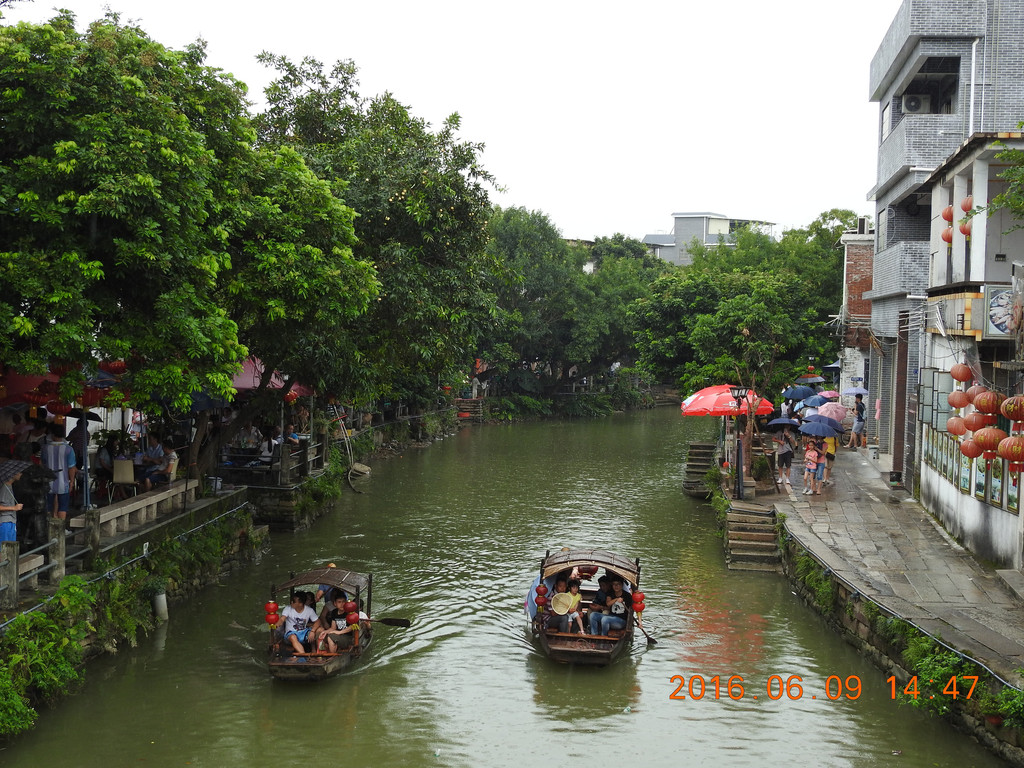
(283,662)
(567,647)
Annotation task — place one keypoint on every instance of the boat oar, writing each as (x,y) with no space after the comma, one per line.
(650,640)
(392,622)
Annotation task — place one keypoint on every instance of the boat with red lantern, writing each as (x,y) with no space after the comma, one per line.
(316,664)
(586,565)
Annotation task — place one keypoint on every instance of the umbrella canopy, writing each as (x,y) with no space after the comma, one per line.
(798,392)
(718,401)
(817,418)
(831,394)
(818,429)
(809,379)
(834,411)
(782,423)
(11,467)
(78,413)
(855,391)
(815,401)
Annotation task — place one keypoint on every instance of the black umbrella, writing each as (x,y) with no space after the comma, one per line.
(782,423)
(817,417)
(11,467)
(818,429)
(78,413)
(798,392)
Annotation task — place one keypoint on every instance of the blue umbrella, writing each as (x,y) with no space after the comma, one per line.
(819,419)
(798,392)
(779,423)
(817,429)
(855,391)
(815,401)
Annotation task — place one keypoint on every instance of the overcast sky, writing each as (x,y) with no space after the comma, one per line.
(608,117)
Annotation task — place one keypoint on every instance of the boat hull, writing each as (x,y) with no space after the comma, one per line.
(588,650)
(312,667)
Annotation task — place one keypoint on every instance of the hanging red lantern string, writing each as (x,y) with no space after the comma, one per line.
(1012,449)
(57,408)
(956,426)
(989,403)
(988,440)
(970,448)
(965,228)
(947,235)
(91,397)
(974,421)
(1013,409)
(958,399)
(967,203)
(977,389)
(947,213)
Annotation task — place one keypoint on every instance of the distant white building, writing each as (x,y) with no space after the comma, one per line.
(709,229)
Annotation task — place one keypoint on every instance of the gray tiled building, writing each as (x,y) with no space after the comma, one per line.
(947,76)
(708,229)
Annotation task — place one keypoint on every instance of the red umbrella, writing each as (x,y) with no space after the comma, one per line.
(718,401)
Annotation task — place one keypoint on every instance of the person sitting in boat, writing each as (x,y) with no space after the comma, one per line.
(332,627)
(574,607)
(298,620)
(617,610)
(600,603)
(556,622)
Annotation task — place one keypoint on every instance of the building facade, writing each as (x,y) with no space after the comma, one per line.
(708,229)
(947,78)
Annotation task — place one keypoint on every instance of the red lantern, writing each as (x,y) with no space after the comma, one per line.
(1013,408)
(947,235)
(965,228)
(961,372)
(970,448)
(967,203)
(989,402)
(988,440)
(958,399)
(270,607)
(810,368)
(955,426)
(541,590)
(35,397)
(57,408)
(1012,449)
(639,607)
(351,618)
(114,367)
(272,618)
(975,421)
(977,389)
(91,397)
(350,607)
(638,597)
(947,213)
(541,601)
(61,367)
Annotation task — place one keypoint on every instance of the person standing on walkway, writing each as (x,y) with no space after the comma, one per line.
(858,436)
(59,457)
(810,466)
(831,445)
(783,454)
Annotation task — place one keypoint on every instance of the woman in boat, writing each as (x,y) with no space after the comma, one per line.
(617,606)
(556,622)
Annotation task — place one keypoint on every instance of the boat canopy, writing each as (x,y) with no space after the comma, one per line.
(350,581)
(572,558)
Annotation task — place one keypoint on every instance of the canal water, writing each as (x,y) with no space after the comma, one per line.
(453,535)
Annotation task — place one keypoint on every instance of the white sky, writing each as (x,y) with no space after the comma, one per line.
(606,116)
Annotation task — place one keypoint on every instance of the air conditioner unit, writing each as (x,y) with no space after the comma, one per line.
(916,103)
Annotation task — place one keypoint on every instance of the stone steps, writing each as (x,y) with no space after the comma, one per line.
(750,539)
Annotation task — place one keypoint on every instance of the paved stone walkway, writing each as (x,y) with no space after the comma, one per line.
(885,545)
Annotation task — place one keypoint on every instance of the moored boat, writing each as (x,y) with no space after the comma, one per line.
(284,662)
(543,607)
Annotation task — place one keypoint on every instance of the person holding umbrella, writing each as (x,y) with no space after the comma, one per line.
(10,471)
(784,448)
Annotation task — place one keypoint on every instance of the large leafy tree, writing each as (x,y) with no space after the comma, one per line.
(422,205)
(119,164)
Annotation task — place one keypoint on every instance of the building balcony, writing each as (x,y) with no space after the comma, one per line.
(916,146)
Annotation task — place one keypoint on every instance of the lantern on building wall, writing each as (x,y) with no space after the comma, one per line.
(91,397)
(975,421)
(967,203)
(965,228)
(970,448)
(988,439)
(1012,449)
(989,403)
(956,426)
(958,399)
(977,389)
(114,367)
(1013,409)
(961,372)
(947,213)
(947,235)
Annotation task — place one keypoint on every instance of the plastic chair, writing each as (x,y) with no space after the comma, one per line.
(124,477)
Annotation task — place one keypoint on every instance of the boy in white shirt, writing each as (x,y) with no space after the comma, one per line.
(297,619)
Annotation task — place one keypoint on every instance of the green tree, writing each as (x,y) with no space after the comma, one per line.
(422,205)
(119,164)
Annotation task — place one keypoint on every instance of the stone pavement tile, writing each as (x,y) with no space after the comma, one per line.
(902,587)
(983,634)
(922,582)
(946,587)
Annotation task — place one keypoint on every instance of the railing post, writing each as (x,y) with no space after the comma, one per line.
(304,455)
(8,575)
(286,463)
(92,532)
(55,554)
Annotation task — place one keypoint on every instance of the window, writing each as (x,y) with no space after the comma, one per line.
(886,118)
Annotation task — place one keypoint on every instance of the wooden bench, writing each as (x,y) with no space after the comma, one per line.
(143,508)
